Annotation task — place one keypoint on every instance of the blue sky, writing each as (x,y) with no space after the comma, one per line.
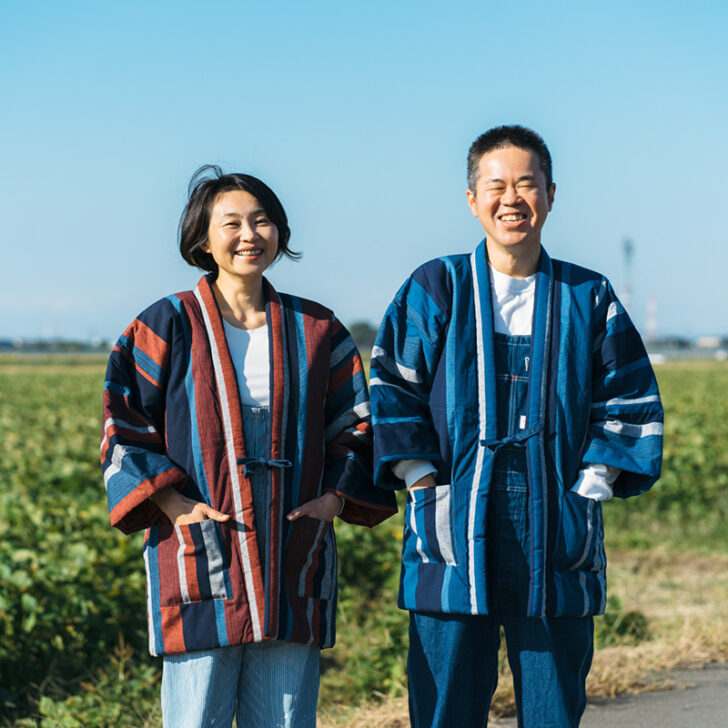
(359,116)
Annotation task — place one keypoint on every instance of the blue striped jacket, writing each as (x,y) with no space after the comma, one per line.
(592,398)
(172,417)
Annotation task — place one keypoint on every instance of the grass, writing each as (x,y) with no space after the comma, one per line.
(668,572)
(684,597)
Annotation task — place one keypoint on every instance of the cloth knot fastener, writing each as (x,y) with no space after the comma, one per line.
(252,464)
(518,439)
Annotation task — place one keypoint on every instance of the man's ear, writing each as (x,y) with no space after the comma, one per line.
(551,194)
(472,202)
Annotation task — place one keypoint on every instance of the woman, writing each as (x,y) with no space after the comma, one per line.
(236,427)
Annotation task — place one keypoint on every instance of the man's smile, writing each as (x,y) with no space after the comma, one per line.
(512,217)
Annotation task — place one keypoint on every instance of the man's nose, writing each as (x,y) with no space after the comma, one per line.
(510,195)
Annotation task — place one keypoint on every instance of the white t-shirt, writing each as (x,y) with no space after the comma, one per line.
(249,352)
(512,302)
(513,315)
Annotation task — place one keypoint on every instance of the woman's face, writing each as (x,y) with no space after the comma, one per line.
(241,237)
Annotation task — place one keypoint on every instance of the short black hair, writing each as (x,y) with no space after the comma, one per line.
(206,184)
(512,135)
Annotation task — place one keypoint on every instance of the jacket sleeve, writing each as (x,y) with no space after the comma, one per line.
(348,466)
(133,451)
(404,359)
(625,429)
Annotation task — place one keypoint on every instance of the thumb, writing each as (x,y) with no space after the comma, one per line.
(299,511)
(214,515)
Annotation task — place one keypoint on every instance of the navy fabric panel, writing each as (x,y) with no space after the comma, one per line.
(434,278)
(347,475)
(621,348)
(552,504)
(428,514)
(339,337)
(199,625)
(291,425)
(428,592)
(319,576)
(201,564)
(342,399)
(157,317)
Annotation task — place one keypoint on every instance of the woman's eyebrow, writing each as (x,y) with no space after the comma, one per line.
(233,213)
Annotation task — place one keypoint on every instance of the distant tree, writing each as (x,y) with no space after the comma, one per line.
(364,334)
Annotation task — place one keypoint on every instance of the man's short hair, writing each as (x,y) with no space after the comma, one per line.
(512,135)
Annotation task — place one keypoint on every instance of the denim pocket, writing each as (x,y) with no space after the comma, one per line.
(428,526)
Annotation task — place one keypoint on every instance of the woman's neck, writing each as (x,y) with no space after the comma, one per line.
(241,301)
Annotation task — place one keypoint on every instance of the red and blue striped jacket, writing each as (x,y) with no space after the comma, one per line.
(172,417)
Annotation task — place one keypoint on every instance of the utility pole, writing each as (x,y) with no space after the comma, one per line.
(652,318)
(627,253)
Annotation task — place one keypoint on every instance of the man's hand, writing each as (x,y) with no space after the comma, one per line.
(180,509)
(428,481)
(325,508)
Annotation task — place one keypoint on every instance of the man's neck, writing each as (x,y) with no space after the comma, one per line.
(516,262)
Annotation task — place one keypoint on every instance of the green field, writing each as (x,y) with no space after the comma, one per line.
(72,626)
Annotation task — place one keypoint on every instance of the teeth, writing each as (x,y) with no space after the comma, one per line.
(512,218)
(254,251)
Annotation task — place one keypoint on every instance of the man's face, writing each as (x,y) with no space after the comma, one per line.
(511,199)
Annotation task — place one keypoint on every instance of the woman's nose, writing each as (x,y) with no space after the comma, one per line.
(247,231)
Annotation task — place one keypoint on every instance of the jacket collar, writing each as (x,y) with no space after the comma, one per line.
(540,338)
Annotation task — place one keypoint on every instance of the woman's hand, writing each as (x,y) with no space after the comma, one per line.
(428,481)
(180,509)
(325,508)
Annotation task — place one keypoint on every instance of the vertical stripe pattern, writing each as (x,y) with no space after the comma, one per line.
(233,466)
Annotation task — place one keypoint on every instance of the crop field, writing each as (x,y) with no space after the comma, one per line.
(72,628)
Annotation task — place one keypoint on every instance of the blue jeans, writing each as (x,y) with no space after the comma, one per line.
(453,658)
(264,685)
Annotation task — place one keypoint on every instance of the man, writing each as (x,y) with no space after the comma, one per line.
(511,393)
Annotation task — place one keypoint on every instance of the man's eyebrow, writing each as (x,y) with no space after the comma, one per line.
(522,178)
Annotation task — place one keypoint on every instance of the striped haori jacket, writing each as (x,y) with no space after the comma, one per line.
(592,398)
(172,416)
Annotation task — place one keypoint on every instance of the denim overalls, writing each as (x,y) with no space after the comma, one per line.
(507,533)
(255,432)
(453,658)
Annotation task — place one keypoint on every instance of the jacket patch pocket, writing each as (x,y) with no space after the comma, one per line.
(427,526)
(581,532)
(197,558)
